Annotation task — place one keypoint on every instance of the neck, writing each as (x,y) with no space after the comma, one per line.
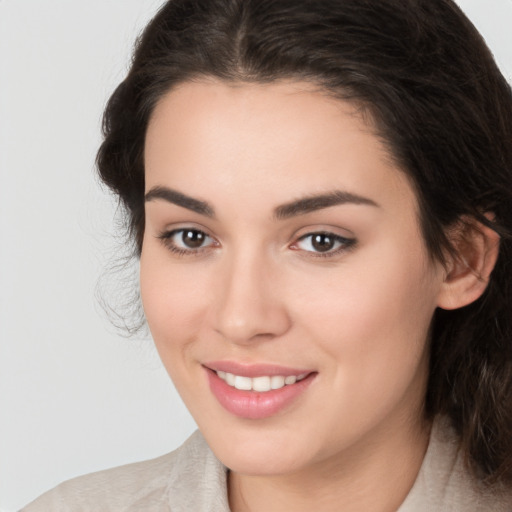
(374,476)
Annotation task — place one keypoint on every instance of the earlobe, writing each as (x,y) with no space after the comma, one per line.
(468,269)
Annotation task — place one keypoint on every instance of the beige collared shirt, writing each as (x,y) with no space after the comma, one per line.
(192,479)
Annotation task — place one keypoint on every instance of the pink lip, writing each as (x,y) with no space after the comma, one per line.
(253,404)
(253,370)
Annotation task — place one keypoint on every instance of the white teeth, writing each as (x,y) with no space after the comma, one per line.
(260,384)
(243,383)
(276,382)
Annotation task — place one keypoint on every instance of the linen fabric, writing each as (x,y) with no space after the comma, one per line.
(192,479)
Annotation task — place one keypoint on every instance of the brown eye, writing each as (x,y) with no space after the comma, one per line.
(192,239)
(322,242)
(187,241)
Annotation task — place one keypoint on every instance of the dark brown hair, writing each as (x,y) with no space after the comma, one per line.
(429,83)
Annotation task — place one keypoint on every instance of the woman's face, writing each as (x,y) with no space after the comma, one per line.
(282,244)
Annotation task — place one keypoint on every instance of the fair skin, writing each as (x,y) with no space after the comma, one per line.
(342,290)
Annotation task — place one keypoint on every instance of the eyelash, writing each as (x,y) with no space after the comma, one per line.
(345,244)
(167,240)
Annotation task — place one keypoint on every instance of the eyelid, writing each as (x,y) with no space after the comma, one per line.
(342,243)
(345,244)
(167,235)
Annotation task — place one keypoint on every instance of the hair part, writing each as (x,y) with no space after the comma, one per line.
(424,75)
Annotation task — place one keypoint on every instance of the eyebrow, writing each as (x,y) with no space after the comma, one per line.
(179,199)
(294,208)
(319,202)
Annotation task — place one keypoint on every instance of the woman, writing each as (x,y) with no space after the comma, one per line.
(320,194)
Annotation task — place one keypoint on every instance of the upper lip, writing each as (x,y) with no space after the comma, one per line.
(254,369)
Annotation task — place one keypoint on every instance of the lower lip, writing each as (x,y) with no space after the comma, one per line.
(252,404)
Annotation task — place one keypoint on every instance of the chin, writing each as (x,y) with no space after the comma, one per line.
(260,464)
(260,451)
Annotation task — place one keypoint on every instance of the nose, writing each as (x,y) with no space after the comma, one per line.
(249,304)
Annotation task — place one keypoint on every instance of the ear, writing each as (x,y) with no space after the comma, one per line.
(468,269)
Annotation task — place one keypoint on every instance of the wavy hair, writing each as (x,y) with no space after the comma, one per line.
(426,78)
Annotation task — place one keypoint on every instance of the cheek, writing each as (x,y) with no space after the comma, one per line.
(372,316)
(173,301)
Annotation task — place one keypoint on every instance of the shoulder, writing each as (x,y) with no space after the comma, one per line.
(150,485)
(444,484)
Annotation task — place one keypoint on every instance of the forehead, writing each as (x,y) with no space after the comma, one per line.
(277,140)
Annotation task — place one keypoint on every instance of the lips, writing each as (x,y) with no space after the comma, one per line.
(256,391)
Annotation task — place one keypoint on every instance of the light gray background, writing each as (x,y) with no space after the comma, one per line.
(74,396)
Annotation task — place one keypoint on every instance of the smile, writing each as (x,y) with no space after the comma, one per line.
(260,384)
(257,391)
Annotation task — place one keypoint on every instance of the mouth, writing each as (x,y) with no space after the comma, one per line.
(260,384)
(257,391)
